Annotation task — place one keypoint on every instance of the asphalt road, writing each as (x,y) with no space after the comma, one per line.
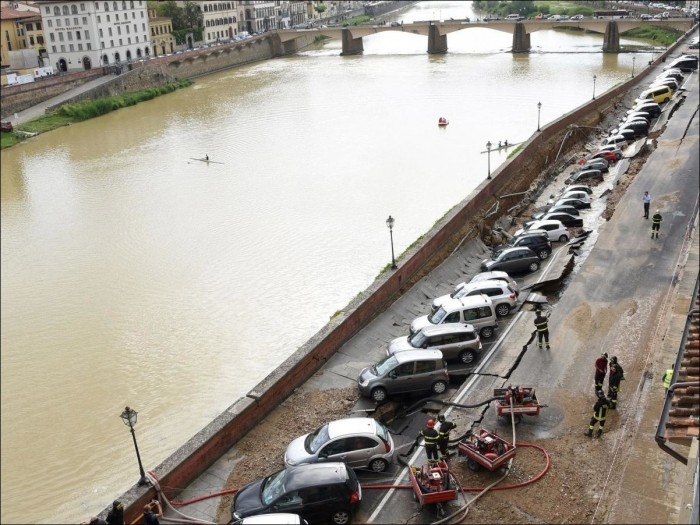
(613,302)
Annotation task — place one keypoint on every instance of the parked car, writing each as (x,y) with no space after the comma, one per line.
(610,156)
(502,295)
(670,82)
(616,140)
(649,106)
(610,147)
(457,342)
(586,174)
(631,116)
(554,208)
(6,127)
(513,260)
(538,242)
(672,73)
(635,129)
(566,219)
(359,442)
(576,17)
(281,518)
(318,493)
(498,276)
(577,187)
(476,310)
(575,193)
(685,63)
(596,164)
(404,373)
(555,229)
(575,203)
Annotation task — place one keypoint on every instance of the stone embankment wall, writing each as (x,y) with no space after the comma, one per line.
(517,175)
(18,98)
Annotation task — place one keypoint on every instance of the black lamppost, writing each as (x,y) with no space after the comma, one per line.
(488,151)
(390,225)
(129,418)
(539,107)
(633,59)
(594,77)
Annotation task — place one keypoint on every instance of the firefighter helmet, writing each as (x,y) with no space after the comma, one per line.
(600,393)
(441,418)
(605,355)
(431,423)
(613,360)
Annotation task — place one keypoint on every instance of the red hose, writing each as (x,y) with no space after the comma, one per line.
(195,500)
(477,489)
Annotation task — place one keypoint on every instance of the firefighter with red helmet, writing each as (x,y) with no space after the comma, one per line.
(430,437)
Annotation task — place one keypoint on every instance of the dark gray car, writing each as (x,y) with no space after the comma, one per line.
(513,260)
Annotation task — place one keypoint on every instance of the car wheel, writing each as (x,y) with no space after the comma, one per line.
(467,356)
(439,387)
(502,309)
(378,465)
(379,395)
(543,254)
(563,238)
(340,517)
(486,332)
(534,267)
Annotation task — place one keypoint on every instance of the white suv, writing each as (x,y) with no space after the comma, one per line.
(503,295)
(556,231)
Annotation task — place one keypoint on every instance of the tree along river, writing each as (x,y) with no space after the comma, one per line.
(133,275)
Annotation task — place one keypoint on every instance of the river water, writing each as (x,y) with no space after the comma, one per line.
(134,275)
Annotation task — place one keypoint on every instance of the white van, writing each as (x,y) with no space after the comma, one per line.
(476,310)
(514,18)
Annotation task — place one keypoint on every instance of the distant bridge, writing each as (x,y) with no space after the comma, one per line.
(437,32)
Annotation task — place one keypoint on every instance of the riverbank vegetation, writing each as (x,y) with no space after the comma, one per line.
(73,113)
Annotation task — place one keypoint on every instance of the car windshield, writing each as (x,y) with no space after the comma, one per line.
(459,291)
(385,365)
(382,432)
(437,316)
(272,488)
(417,340)
(317,439)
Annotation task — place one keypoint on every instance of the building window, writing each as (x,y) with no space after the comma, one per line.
(85,20)
(80,47)
(50,22)
(47,10)
(114,6)
(116,17)
(127,30)
(89,47)
(60,37)
(108,20)
(111,43)
(75,22)
(119,30)
(128,40)
(52,37)
(53,49)
(31,41)
(63,48)
(99,20)
(109,29)
(74,9)
(124,4)
(67,22)
(82,7)
(106,6)
(121,42)
(71,47)
(87,35)
(131,4)
(137,39)
(57,11)
(30,27)
(40,40)
(70,36)
(58,22)
(77,35)
(101,35)
(65,10)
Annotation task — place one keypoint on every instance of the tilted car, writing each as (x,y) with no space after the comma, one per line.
(575,203)
(566,219)
(456,341)
(513,260)
(498,276)
(555,229)
(502,295)
(587,174)
(537,241)
(359,442)
(555,208)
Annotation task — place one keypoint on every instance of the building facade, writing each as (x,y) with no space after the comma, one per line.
(162,40)
(14,34)
(83,35)
(221,21)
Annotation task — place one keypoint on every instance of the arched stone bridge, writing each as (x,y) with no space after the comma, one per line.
(437,32)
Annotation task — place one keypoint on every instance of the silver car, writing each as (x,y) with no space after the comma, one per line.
(457,342)
(360,442)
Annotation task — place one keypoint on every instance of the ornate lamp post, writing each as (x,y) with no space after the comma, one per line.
(539,107)
(594,77)
(633,59)
(488,151)
(129,418)
(390,224)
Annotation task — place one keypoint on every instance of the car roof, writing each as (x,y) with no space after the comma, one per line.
(418,354)
(352,425)
(545,222)
(478,285)
(472,300)
(449,328)
(516,248)
(313,474)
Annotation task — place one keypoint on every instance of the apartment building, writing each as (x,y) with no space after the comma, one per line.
(14,36)
(82,35)
(162,39)
(221,21)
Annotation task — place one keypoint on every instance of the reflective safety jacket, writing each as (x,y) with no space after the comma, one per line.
(600,409)
(668,376)
(616,375)
(541,323)
(656,218)
(445,428)
(430,435)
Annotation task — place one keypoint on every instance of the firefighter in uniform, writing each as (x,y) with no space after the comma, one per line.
(444,428)
(601,368)
(656,224)
(542,326)
(668,377)
(600,412)
(617,374)
(430,437)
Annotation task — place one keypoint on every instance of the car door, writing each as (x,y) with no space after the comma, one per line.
(402,378)
(447,343)
(355,451)
(291,502)
(454,317)
(319,503)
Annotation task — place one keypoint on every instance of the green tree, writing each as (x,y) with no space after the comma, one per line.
(192,14)
(320,8)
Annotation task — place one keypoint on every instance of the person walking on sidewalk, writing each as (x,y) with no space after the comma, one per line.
(601,369)
(600,412)
(617,374)
(646,199)
(656,224)
(542,325)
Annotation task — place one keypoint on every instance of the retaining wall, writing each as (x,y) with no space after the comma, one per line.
(467,219)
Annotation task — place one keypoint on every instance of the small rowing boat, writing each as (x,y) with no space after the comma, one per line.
(206,160)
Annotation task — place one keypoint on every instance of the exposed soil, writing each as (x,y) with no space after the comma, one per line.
(568,493)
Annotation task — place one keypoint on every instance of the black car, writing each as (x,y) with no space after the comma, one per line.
(566,219)
(512,260)
(574,203)
(318,492)
(537,242)
(596,164)
(650,107)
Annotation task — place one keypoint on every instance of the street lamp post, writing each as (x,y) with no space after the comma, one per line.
(129,418)
(488,152)
(390,224)
(633,59)
(594,77)
(539,107)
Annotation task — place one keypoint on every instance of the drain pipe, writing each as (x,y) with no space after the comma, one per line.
(660,438)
